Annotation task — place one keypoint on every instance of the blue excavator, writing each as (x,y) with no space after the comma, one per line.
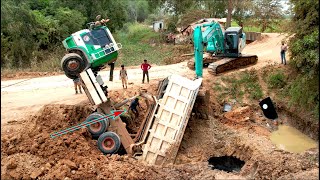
(223,49)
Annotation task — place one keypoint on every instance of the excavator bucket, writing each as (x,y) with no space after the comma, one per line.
(170,120)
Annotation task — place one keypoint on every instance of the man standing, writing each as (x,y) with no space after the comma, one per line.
(77,84)
(123,76)
(283,53)
(145,67)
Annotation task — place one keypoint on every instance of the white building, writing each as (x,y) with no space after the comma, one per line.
(158,25)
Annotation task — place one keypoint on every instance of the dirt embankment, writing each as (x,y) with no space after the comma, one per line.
(31,153)
(242,133)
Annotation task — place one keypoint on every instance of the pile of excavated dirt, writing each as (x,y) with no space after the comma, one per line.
(31,153)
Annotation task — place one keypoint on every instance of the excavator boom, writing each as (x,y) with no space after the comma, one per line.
(224,49)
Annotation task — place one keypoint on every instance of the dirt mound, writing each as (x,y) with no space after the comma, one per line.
(31,153)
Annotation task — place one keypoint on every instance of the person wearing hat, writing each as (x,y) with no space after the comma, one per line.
(124,76)
(133,106)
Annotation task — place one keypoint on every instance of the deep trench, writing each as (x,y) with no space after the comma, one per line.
(226,163)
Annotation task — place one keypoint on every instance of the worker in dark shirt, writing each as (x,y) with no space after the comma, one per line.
(133,106)
(77,85)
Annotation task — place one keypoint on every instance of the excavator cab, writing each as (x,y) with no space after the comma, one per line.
(233,41)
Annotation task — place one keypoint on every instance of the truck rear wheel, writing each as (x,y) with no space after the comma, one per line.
(109,143)
(72,64)
(98,128)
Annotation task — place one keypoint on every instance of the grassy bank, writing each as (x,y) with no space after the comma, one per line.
(141,42)
(240,86)
(280,83)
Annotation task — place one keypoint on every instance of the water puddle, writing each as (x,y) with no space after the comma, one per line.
(290,139)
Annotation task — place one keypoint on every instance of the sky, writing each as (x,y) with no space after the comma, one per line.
(284,4)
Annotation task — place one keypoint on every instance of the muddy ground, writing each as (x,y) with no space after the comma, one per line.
(28,152)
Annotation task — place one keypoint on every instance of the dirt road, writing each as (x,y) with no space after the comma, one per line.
(24,97)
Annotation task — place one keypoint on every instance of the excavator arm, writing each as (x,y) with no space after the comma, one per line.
(198,50)
(212,39)
(225,49)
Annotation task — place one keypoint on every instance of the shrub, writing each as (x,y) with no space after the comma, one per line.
(276,80)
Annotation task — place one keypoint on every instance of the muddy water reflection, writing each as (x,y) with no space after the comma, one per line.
(290,139)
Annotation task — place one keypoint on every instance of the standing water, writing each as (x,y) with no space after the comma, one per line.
(290,139)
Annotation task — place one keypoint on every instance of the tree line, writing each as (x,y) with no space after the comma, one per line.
(30,29)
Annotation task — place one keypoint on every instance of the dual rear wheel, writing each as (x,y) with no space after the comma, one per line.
(108,142)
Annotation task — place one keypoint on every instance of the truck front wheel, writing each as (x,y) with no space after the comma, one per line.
(72,64)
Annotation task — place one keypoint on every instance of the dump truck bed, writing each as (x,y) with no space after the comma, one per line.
(171,118)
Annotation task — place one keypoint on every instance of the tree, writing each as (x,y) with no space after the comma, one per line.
(304,51)
(192,16)
(228,24)
(242,10)
(153,5)
(178,7)
(267,12)
(143,10)
(137,10)
(305,43)
(17,31)
(217,8)
(69,21)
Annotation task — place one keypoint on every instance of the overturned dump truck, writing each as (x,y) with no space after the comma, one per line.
(159,136)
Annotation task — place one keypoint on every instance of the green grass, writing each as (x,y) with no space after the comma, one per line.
(276,80)
(238,86)
(140,42)
(304,94)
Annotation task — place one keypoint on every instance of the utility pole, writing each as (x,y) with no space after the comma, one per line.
(229,13)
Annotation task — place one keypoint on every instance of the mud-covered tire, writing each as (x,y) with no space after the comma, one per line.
(109,143)
(98,128)
(72,64)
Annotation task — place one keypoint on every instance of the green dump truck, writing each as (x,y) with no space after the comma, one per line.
(89,48)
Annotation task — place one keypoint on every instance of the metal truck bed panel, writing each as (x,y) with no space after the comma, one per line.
(92,88)
(170,120)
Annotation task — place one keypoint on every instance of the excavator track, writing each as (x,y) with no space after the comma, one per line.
(207,59)
(227,64)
